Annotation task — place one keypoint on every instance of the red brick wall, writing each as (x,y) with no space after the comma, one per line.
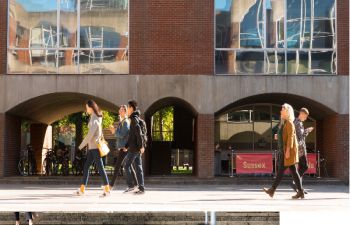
(336,145)
(343,36)
(204,152)
(3,36)
(171,37)
(10,144)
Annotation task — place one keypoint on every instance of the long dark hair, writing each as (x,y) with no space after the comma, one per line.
(92,104)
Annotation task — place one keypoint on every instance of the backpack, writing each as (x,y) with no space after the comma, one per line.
(143,127)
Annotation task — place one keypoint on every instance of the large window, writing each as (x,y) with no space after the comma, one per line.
(251,128)
(275,37)
(68,36)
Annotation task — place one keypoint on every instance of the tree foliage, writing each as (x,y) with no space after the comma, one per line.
(67,123)
(163,124)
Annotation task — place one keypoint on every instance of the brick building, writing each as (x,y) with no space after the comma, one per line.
(225,66)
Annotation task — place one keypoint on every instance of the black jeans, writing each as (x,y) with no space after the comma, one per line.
(93,155)
(302,165)
(129,159)
(295,174)
(28,215)
(118,166)
(280,160)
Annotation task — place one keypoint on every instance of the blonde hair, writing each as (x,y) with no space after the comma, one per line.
(125,109)
(290,112)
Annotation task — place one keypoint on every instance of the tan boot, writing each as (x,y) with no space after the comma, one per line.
(106,191)
(300,194)
(269,191)
(81,190)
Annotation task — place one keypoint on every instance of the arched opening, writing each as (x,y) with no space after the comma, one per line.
(247,126)
(52,122)
(171,149)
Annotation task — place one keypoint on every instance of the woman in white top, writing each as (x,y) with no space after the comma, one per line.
(93,154)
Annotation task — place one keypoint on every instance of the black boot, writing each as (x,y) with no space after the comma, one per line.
(300,194)
(269,191)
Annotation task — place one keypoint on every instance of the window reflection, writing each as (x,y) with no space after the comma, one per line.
(252,128)
(249,62)
(275,62)
(262,127)
(239,24)
(46,32)
(275,23)
(103,61)
(288,32)
(22,61)
(68,22)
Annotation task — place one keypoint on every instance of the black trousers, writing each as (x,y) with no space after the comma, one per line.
(302,166)
(118,165)
(28,215)
(295,174)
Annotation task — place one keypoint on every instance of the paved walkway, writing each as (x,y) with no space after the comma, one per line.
(322,203)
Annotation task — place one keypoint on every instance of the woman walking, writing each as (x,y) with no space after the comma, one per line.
(93,154)
(287,139)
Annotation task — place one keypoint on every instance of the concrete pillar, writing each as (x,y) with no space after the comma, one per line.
(37,136)
(46,145)
(204,152)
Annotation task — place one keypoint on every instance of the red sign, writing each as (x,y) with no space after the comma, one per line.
(254,163)
(311,162)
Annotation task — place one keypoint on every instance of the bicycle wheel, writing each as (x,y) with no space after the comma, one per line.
(65,168)
(47,166)
(23,167)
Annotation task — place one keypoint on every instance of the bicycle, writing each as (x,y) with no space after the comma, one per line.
(27,162)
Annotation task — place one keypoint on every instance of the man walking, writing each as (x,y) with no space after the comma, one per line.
(301,135)
(122,133)
(135,146)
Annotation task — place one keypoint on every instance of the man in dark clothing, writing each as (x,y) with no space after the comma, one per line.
(121,132)
(301,135)
(135,148)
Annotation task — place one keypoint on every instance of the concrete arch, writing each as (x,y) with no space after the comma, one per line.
(317,110)
(322,92)
(170,101)
(206,94)
(50,107)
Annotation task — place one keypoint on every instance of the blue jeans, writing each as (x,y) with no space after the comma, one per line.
(93,155)
(129,159)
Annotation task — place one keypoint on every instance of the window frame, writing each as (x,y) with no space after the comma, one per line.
(63,49)
(285,49)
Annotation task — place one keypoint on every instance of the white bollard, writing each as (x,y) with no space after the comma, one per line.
(212,218)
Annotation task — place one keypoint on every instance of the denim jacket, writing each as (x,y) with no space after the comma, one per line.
(122,133)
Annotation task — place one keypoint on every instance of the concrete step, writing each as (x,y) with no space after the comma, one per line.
(149,218)
(166,180)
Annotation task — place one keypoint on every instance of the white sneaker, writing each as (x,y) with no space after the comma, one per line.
(129,190)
